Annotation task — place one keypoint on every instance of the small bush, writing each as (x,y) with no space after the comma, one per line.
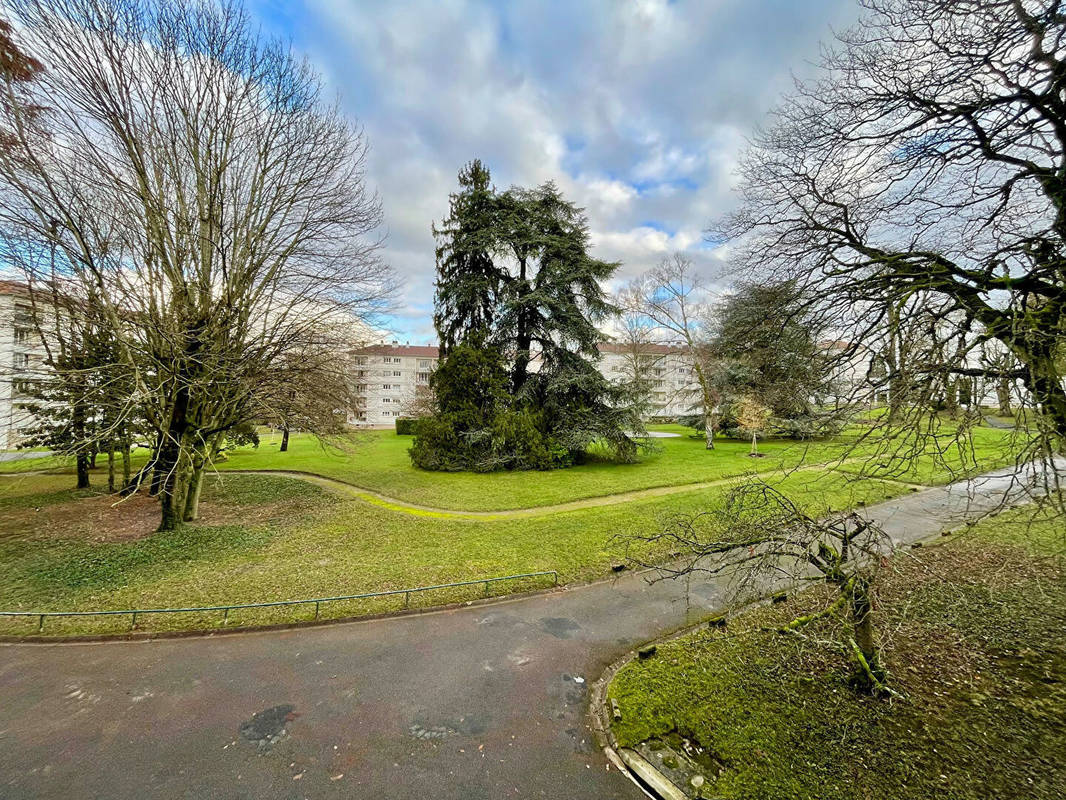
(405,426)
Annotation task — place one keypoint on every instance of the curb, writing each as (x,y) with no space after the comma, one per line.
(630,763)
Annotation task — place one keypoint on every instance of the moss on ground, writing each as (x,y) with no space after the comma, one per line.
(977,649)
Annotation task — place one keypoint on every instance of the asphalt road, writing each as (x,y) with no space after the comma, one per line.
(482,702)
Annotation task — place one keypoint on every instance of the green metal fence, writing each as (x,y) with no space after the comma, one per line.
(317,602)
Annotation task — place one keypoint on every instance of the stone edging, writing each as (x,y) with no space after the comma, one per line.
(652,782)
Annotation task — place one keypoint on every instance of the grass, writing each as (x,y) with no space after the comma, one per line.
(977,652)
(323,546)
(266,538)
(378,461)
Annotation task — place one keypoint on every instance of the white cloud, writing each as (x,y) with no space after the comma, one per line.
(638,110)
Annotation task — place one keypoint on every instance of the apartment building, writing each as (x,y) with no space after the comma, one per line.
(21,359)
(388,380)
(674,389)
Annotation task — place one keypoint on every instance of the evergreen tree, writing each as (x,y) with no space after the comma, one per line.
(468,281)
(514,273)
(767,348)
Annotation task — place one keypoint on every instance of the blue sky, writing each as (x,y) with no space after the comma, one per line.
(638,110)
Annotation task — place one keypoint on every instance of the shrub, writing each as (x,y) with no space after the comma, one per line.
(406,426)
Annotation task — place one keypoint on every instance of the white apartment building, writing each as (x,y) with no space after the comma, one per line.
(674,389)
(21,358)
(390,376)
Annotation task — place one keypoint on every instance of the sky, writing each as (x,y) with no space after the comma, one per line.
(637,109)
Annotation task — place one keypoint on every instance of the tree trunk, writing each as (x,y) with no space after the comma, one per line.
(1003,398)
(192,499)
(894,365)
(754,444)
(708,430)
(154,464)
(862,616)
(110,468)
(83,471)
(200,462)
(126,462)
(172,465)
(1043,380)
(951,398)
(77,424)
(284,440)
(523,336)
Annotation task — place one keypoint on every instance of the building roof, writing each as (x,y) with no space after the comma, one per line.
(643,348)
(12,287)
(412,350)
(430,351)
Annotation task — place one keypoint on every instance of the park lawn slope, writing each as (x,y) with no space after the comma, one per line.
(378,461)
(978,652)
(313,544)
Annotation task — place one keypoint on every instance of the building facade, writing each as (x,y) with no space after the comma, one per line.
(22,358)
(674,390)
(392,380)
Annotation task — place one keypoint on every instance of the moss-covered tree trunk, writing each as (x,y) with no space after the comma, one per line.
(1003,398)
(869,675)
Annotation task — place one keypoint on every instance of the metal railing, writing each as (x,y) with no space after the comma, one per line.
(317,602)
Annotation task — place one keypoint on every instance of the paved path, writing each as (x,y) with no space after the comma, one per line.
(482,702)
(24,455)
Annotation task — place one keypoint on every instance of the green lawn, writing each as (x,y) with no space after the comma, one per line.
(378,460)
(275,538)
(318,545)
(977,652)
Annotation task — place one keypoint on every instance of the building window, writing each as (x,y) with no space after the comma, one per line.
(386,413)
(360,361)
(22,336)
(422,377)
(22,360)
(396,373)
(386,386)
(386,399)
(424,363)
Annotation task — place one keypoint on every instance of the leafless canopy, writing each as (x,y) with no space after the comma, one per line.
(922,181)
(192,183)
(763,542)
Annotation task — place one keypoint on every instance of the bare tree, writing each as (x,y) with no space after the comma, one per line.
(202,193)
(674,298)
(926,169)
(764,542)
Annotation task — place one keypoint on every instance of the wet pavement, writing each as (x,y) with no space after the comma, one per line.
(481,702)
